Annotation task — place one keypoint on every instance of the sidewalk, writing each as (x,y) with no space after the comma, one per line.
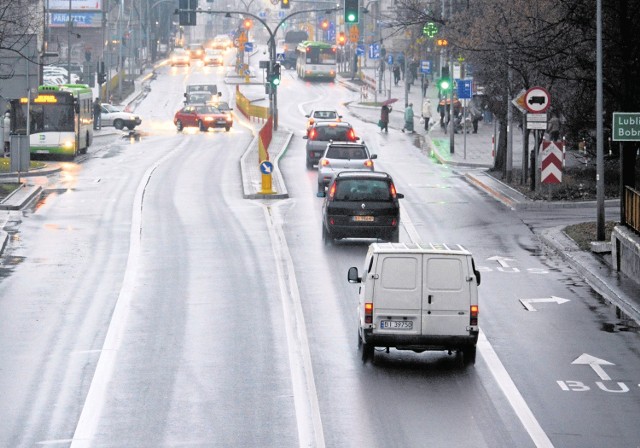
(477,153)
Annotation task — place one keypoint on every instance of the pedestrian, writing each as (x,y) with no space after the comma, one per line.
(384,118)
(97,114)
(425,85)
(426,113)
(413,66)
(554,128)
(396,74)
(408,119)
(476,116)
(401,64)
(6,130)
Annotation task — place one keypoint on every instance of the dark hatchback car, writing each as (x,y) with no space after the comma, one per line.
(361,204)
(319,136)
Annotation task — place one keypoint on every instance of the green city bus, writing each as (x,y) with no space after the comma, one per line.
(61,119)
(316,60)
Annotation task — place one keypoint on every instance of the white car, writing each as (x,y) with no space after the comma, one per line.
(118,118)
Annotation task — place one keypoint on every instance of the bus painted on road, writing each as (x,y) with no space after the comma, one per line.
(61,119)
(316,60)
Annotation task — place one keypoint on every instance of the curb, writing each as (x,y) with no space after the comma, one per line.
(21,197)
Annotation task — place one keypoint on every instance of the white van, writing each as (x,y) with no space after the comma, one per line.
(418,296)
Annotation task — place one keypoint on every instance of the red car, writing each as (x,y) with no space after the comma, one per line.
(202,116)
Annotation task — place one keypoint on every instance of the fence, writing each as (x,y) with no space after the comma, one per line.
(632,208)
(250,110)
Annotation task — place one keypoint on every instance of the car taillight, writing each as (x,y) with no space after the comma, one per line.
(474,315)
(313,134)
(394,222)
(368,163)
(351,135)
(324,162)
(332,191)
(392,190)
(368,313)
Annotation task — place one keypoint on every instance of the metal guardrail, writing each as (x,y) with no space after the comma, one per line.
(632,208)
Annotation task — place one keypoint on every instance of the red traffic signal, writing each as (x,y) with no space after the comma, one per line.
(325,25)
(247,23)
(342,39)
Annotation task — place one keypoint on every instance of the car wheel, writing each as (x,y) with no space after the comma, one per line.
(118,124)
(179,126)
(202,127)
(227,128)
(326,236)
(320,188)
(469,355)
(366,350)
(131,127)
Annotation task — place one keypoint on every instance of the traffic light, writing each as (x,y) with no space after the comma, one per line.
(444,84)
(342,39)
(102,78)
(284,4)
(274,76)
(351,9)
(247,24)
(325,24)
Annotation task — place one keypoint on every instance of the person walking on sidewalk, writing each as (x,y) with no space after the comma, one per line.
(426,113)
(384,118)
(396,74)
(408,119)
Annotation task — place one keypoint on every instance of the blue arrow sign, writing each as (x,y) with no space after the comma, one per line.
(374,51)
(360,50)
(266,167)
(248,47)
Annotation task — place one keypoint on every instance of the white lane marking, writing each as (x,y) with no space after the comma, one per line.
(92,409)
(500,374)
(310,431)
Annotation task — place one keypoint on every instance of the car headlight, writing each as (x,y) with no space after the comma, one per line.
(208,118)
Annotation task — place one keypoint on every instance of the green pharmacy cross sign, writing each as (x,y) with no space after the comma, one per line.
(430,29)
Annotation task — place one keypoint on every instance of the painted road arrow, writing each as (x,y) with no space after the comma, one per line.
(595,364)
(553,299)
(501,260)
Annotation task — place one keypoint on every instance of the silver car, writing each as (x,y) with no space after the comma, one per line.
(114,116)
(343,156)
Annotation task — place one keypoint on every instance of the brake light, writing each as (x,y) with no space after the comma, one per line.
(368,313)
(324,162)
(332,191)
(368,163)
(313,134)
(474,315)
(392,190)
(351,135)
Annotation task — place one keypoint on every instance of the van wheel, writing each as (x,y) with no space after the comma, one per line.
(309,164)
(366,350)
(326,236)
(469,355)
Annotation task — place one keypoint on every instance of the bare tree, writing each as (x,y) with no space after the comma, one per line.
(20,22)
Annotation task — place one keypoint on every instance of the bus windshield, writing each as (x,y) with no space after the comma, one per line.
(45,118)
(321,56)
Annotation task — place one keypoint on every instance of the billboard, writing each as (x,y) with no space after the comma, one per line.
(80,19)
(91,5)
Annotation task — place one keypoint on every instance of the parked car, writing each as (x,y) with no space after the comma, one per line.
(179,56)
(202,116)
(114,116)
(418,296)
(213,57)
(320,134)
(361,204)
(319,115)
(343,156)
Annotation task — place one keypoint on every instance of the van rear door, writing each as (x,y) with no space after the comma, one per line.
(446,296)
(397,294)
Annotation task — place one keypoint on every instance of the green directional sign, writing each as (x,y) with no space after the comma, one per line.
(626,126)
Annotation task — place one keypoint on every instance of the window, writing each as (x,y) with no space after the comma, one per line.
(444,274)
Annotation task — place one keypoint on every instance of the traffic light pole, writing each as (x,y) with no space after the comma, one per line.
(273,92)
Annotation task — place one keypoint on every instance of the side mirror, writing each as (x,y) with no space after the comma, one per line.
(374,156)
(321,194)
(184,94)
(307,116)
(352,275)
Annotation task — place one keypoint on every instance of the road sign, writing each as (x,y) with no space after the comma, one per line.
(551,162)
(537,99)
(536,121)
(354,34)
(280,57)
(360,50)
(425,67)
(518,101)
(266,167)
(626,126)
(464,88)
(374,51)
(248,47)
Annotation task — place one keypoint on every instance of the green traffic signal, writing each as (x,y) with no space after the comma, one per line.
(351,9)
(444,84)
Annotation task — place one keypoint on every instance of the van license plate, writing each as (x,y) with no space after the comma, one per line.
(396,324)
(363,218)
